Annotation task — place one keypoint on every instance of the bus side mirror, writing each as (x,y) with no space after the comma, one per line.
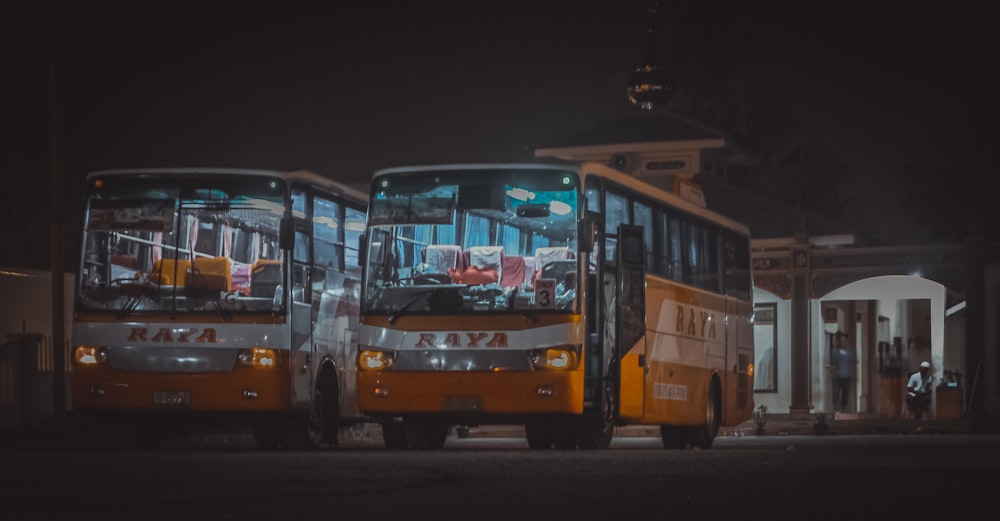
(587,235)
(286,234)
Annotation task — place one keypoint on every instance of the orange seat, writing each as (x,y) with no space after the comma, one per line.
(164,271)
(210,274)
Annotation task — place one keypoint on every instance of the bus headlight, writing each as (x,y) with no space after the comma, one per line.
(89,355)
(374,360)
(556,358)
(262,357)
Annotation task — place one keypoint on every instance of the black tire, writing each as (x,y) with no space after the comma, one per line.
(596,432)
(702,436)
(563,433)
(538,435)
(425,433)
(674,437)
(321,425)
(393,436)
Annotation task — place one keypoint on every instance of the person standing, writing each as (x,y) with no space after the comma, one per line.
(918,390)
(843,360)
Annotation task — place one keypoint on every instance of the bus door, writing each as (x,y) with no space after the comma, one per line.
(630,319)
(302,348)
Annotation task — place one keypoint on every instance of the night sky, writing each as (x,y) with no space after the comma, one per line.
(344,90)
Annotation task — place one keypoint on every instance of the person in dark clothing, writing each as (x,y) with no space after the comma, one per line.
(842,361)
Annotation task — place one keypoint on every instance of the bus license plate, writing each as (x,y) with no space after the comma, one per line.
(463,403)
(172,397)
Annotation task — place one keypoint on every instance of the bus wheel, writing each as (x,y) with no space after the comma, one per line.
(673,437)
(321,425)
(392,435)
(596,432)
(563,433)
(425,433)
(593,432)
(538,434)
(702,436)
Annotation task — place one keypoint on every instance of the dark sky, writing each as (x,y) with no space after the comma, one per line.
(343,89)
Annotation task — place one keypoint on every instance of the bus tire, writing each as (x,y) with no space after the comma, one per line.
(673,437)
(594,432)
(321,425)
(538,435)
(393,436)
(564,432)
(425,433)
(702,436)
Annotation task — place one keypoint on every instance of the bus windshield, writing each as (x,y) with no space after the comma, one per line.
(182,243)
(467,241)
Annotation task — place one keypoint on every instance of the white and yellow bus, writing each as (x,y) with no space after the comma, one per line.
(569,299)
(218,298)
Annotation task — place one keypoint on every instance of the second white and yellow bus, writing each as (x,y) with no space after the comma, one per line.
(568,298)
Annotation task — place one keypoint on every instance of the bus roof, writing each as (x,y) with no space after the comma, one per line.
(475,166)
(307,176)
(585,168)
(661,194)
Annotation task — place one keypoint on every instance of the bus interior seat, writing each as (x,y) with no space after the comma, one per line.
(529,267)
(170,272)
(264,278)
(558,270)
(123,259)
(487,258)
(513,271)
(209,275)
(443,257)
(241,277)
(547,254)
(484,265)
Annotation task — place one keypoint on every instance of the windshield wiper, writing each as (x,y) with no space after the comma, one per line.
(134,292)
(417,297)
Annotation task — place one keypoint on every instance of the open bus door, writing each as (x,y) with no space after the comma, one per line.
(631,288)
(630,320)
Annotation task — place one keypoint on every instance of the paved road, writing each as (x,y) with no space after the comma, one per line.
(770,477)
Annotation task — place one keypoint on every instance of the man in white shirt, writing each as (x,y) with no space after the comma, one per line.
(918,390)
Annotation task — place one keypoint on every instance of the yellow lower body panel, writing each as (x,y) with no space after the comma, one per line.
(243,390)
(505,392)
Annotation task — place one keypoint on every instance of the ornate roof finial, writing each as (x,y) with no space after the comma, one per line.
(650,85)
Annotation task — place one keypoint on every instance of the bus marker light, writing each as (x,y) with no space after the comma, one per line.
(372,360)
(555,358)
(89,355)
(380,392)
(257,357)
